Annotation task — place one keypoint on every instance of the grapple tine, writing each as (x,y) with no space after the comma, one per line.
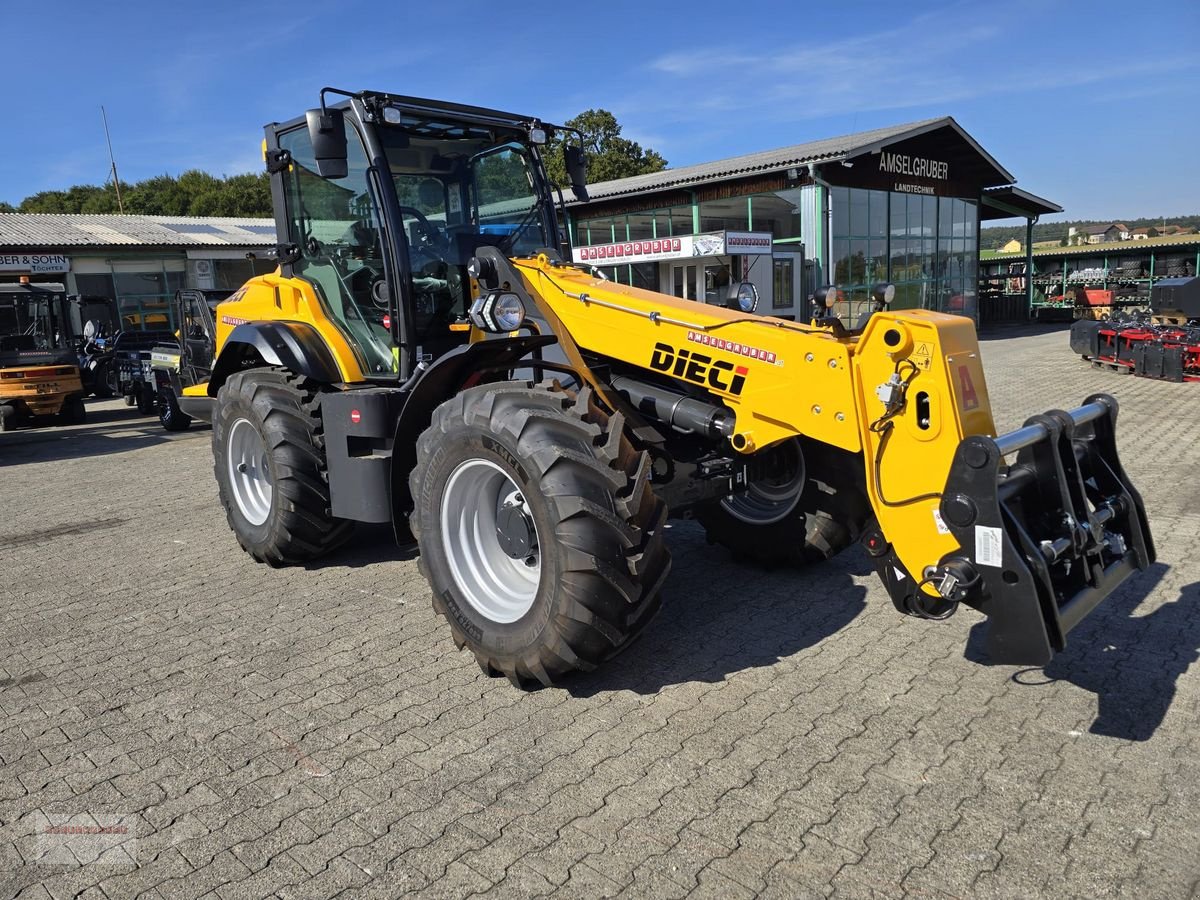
(1045,538)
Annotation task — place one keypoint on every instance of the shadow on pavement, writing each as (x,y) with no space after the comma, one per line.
(1024,329)
(19,447)
(1131,663)
(367,545)
(705,636)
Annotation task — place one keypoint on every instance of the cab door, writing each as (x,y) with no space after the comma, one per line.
(197,337)
(342,247)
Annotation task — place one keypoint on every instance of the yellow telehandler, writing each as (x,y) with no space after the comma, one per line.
(426,356)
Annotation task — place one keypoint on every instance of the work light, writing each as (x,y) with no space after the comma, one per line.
(498,312)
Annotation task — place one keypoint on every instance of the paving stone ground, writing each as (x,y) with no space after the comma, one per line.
(312,732)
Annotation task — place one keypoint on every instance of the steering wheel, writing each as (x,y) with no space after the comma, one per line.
(434,239)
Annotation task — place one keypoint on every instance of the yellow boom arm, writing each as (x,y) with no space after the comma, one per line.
(785,380)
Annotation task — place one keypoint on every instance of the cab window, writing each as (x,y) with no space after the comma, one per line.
(336,223)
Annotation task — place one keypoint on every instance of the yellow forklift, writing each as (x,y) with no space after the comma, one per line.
(39,369)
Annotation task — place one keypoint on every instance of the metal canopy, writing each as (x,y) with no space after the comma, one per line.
(1011,202)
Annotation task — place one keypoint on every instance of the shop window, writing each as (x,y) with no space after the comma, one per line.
(640,225)
(231,274)
(644,275)
(729,215)
(783,296)
(777,212)
(96,285)
(681,221)
(599,231)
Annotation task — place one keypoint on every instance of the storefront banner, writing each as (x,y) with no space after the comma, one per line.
(717,243)
(34,263)
(740,243)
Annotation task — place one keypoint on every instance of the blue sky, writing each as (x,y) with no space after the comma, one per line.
(1092,104)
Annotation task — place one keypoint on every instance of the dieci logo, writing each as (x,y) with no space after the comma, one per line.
(699,368)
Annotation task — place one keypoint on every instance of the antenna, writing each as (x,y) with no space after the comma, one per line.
(113,160)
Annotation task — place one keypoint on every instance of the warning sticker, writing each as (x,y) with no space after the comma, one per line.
(989,546)
(939,522)
(921,355)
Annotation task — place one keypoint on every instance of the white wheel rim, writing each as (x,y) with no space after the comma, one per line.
(249,472)
(497,586)
(768,501)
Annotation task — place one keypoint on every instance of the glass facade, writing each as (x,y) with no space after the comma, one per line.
(926,246)
(144,290)
(774,211)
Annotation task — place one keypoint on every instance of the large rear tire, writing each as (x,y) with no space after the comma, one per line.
(539,533)
(828,516)
(269,461)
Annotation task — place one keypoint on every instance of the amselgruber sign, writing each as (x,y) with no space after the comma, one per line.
(35,263)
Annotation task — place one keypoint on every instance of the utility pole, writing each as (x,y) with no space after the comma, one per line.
(113,161)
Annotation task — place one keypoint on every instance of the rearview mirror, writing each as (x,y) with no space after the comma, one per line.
(327,132)
(576,162)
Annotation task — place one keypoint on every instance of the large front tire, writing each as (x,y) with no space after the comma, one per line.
(269,461)
(539,534)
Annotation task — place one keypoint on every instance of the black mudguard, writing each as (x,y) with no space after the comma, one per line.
(295,346)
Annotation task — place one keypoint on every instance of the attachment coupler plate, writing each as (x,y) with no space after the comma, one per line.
(1046,538)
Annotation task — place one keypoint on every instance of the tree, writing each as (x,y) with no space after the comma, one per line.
(193,193)
(7,207)
(609,155)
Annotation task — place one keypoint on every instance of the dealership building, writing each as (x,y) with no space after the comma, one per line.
(138,261)
(901,204)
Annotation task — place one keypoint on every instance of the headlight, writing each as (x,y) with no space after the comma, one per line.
(497,311)
(747,297)
(884,292)
(509,312)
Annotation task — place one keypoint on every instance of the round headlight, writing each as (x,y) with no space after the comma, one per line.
(508,312)
(884,292)
(747,297)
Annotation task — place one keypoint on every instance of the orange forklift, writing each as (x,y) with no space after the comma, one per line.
(39,370)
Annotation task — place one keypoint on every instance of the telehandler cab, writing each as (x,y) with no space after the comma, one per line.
(378,376)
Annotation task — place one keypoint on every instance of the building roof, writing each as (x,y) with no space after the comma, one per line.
(1101,229)
(1180,241)
(83,230)
(1013,198)
(826,150)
